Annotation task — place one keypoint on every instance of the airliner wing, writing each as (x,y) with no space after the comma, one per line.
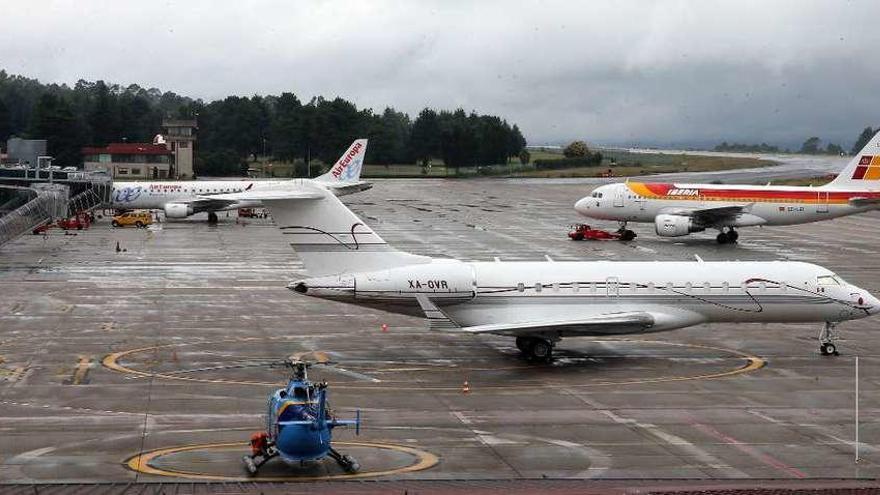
(345,188)
(266,194)
(602,324)
(863,201)
(229,201)
(709,216)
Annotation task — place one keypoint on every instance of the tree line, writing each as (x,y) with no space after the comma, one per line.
(235,128)
(812,146)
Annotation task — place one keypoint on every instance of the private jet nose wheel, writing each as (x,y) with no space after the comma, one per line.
(535,348)
(827,347)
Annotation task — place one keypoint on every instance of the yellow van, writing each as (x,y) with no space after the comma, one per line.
(139,219)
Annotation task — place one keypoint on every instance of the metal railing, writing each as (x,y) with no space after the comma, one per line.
(37,205)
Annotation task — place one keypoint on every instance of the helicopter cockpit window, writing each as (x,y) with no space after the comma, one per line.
(300,393)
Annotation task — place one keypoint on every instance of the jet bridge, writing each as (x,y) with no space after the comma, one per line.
(31,198)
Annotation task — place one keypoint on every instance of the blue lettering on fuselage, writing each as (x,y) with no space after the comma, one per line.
(127,194)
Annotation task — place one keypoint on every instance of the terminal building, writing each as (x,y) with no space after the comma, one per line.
(169,156)
(24,151)
(130,160)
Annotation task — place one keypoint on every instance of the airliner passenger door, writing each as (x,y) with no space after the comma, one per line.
(619,191)
(612,286)
(822,202)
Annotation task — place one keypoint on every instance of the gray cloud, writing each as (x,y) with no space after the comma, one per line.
(668,72)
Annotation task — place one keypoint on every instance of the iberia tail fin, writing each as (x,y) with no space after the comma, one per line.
(863,171)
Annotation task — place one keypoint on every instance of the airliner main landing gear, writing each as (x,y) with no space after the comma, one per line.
(827,347)
(728,237)
(212,217)
(624,233)
(536,348)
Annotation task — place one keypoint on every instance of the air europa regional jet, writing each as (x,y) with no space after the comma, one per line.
(681,209)
(538,303)
(181,199)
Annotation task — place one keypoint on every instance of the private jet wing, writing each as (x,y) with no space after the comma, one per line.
(608,323)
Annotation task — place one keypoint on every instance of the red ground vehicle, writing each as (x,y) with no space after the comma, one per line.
(582,231)
(81,220)
(252,213)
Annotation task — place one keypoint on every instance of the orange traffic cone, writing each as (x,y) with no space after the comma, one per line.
(465,388)
(384,327)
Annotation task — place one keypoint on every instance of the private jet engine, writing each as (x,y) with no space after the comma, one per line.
(675,225)
(178,210)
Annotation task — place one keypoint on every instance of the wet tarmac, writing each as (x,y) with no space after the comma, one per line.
(149,364)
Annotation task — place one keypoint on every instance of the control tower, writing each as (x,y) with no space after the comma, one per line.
(180,138)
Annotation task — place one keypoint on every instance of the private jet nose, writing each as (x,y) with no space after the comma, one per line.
(867,302)
(332,287)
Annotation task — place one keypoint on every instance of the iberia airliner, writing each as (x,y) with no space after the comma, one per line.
(680,209)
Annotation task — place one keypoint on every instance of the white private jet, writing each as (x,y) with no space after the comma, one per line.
(680,209)
(541,302)
(180,199)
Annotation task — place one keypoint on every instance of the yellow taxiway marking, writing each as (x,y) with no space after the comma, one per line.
(141,463)
(752,363)
(82,368)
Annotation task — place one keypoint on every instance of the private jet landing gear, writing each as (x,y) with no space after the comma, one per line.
(624,233)
(728,237)
(212,217)
(826,340)
(536,348)
(346,462)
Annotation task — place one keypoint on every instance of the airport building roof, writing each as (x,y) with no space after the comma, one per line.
(128,149)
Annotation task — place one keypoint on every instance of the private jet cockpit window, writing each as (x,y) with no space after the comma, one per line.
(829,280)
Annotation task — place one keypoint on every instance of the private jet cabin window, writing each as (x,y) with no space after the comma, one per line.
(521,287)
(538,287)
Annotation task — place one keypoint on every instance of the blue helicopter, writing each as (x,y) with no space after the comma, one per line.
(299,424)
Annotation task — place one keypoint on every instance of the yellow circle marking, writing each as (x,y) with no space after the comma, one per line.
(753,363)
(141,463)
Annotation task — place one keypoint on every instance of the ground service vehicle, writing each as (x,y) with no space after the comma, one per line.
(139,219)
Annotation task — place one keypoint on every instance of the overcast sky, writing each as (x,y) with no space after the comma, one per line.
(676,72)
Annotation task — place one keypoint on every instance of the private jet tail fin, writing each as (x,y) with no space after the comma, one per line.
(330,239)
(348,168)
(863,171)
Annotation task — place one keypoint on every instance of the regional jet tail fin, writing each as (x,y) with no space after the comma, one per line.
(330,239)
(346,170)
(862,173)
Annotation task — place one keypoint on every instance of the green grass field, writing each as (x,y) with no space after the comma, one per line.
(622,164)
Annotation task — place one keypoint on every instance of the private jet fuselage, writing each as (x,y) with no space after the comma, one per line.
(674,294)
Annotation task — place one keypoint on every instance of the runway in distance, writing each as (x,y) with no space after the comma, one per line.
(681,209)
(538,303)
(180,199)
